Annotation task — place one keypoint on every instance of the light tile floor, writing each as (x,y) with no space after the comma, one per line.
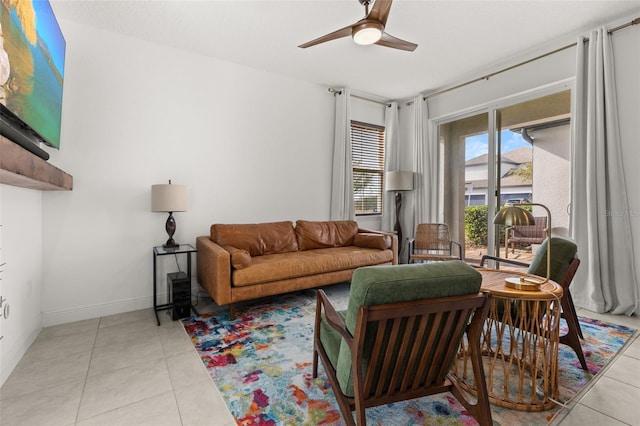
(613,397)
(116,371)
(124,370)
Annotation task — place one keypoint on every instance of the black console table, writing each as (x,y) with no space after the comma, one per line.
(162,251)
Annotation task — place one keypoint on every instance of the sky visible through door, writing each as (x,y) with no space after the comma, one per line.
(479,144)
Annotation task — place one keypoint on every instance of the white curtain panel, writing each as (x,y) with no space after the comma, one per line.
(342,207)
(426,166)
(600,223)
(391,162)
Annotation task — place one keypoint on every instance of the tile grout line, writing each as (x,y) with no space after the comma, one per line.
(130,403)
(86,375)
(173,389)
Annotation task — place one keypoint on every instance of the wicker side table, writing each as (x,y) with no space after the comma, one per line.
(519,345)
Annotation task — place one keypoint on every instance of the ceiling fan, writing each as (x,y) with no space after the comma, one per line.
(368,30)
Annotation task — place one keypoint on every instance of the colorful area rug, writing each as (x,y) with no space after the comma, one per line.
(262,362)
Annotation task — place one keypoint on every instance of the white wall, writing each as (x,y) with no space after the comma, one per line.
(548,70)
(552,175)
(21,285)
(251,146)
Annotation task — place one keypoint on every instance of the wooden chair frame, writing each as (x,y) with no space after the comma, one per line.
(574,332)
(410,369)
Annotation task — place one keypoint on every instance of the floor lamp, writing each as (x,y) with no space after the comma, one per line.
(513,216)
(399,181)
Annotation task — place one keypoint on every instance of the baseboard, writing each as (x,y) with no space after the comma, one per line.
(95,311)
(13,357)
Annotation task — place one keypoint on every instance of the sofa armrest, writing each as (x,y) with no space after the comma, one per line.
(394,241)
(371,240)
(214,270)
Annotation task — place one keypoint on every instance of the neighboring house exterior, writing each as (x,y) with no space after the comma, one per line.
(513,186)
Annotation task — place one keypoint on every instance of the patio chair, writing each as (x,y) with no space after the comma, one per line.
(525,234)
(564,265)
(432,242)
(400,336)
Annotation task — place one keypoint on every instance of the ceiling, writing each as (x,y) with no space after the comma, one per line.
(456,39)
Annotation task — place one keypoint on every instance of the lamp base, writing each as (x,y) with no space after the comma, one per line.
(170,227)
(522,283)
(171,244)
(398,228)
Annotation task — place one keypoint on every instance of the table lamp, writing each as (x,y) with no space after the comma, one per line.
(399,181)
(513,216)
(169,198)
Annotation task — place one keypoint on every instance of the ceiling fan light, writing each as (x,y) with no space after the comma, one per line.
(367,33)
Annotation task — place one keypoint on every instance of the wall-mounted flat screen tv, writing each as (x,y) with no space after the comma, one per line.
(32,51)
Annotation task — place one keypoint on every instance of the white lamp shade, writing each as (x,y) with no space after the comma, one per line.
(399,181)
(169,198)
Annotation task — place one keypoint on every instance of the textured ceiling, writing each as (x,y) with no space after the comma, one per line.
(456,39)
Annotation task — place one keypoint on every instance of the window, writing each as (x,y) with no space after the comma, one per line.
(367,152)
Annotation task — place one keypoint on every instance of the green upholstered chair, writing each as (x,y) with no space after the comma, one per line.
(400,335)
(564,265)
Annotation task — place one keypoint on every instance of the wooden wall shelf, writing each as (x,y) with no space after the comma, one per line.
(19,167)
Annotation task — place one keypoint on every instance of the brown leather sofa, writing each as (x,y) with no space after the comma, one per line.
(247,261)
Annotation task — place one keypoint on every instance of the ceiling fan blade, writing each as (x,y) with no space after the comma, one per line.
(380,11)
(342,32)
(396,43)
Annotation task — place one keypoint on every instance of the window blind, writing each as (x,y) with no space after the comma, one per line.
(367,151)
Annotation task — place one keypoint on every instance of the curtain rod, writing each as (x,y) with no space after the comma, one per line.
(636,21)
(339,92)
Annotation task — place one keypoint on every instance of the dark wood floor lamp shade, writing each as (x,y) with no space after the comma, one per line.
(169,198)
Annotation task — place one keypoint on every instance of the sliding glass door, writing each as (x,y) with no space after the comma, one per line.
(515,154)
(465,152)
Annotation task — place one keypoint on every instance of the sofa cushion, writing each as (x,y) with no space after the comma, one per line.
(316,235)
(240,258)
(371,240)
(284,266)
(256,238)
